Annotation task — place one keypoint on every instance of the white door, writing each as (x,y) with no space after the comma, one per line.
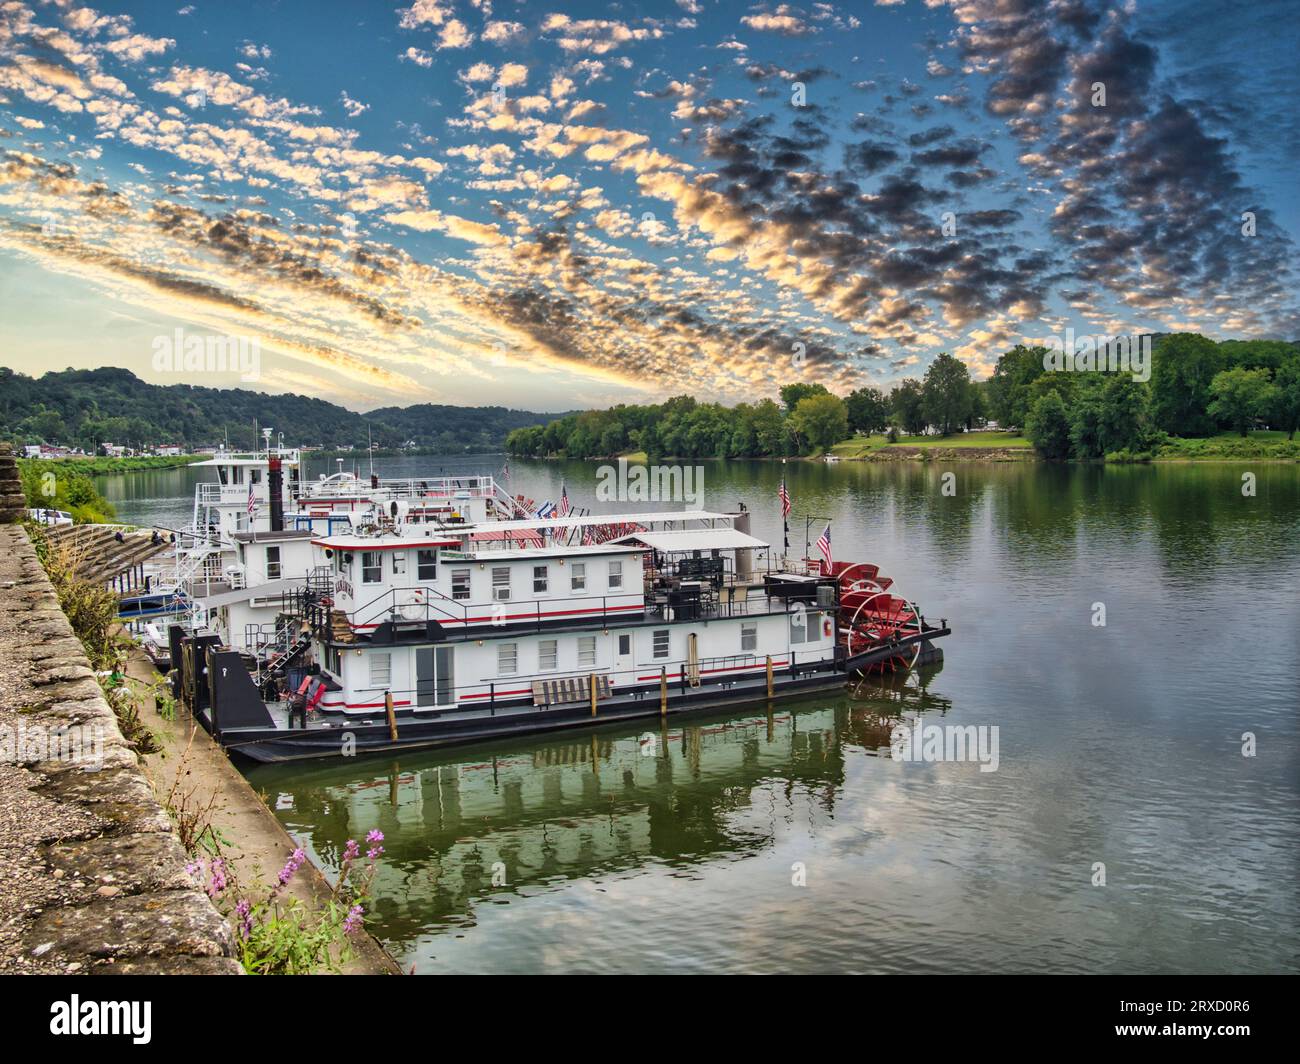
(624,676)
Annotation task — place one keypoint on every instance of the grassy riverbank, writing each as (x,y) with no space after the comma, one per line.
(863,447)
(67,484)
(1229,446)
(96,466)
(58,485)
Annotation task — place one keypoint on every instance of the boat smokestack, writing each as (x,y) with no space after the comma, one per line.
(745,555)
(275,488)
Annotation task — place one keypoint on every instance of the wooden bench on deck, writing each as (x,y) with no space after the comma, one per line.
(569,689)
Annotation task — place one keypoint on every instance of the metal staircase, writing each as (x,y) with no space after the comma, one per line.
(275,667)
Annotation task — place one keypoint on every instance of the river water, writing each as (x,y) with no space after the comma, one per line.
(786,842)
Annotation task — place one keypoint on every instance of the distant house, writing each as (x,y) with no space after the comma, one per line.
(168,450)
(32,450)
(113,450)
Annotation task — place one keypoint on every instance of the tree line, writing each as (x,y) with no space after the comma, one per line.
(84,408)
(808,419)
(1197,388)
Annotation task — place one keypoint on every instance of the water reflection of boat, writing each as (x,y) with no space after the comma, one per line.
(537,814)
(878,701)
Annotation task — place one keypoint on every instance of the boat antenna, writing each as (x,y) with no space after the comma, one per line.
(370,449)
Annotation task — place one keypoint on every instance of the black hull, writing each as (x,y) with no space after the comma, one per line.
(512,720)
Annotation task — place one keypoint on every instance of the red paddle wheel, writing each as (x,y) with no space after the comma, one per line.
(871,617)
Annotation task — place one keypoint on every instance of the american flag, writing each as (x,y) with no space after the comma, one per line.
(824,545)
(785,500)
(252,500)
(563,509)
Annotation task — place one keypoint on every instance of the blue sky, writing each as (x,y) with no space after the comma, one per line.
(554,205)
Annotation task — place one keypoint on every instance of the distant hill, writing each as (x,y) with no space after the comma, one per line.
(452,428)
(80,408)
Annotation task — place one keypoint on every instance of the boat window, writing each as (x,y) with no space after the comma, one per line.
(427,564)
(749,637)
(615,575)
(539,579)
(381,670)
(501,583)
(273,563)
(798,627)
(372,566)
(548,654)
(460,583)
(399,563)
(507,659)
(625,644)
(578,576)
(334,662)
(587,651)
(661,642)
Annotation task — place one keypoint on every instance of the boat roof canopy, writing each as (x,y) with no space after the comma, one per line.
(268,536)
(243,460)
(695,539)
(642,517)
(386,541)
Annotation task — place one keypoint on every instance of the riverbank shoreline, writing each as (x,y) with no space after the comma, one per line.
(932,452)
(192,768)
(95,467)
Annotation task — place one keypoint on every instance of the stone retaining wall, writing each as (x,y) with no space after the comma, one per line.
(92,875)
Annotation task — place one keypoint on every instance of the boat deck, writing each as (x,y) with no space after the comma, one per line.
(509,715)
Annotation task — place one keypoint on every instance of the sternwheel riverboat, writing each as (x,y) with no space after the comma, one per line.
(410,635)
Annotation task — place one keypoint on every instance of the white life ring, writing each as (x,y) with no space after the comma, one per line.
(411,605)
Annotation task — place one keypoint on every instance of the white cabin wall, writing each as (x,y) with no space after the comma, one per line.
(241,614)
(476,660)
(368,603)
(296,558)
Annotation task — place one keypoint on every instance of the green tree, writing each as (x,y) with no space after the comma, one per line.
(1048,427)
(613,440)
(1286,409)
(1184,365)
(1241,397)
(1066,385)
(1125,423)
(792,393)
(769,428)
(1254,354)
(1008,396)
(905,404)
(822,420)
(979,405)
(945,394)
(868,411)
(1085,425)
